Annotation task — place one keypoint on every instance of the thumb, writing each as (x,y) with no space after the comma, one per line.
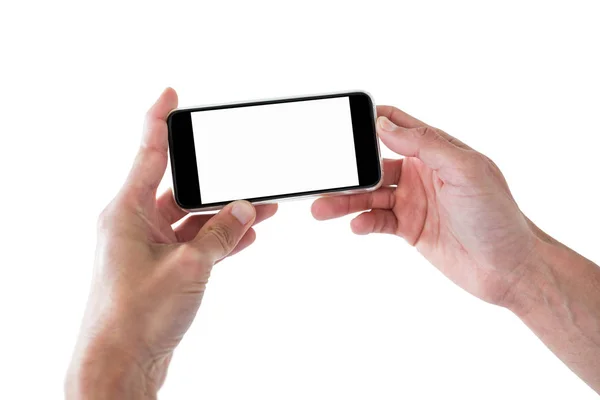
(424,143)
(219,236)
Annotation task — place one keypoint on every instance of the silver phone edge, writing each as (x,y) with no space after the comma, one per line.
(292,197)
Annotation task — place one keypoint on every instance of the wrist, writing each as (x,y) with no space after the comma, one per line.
(106,372)
(558,300)
(550,276)
(534,280)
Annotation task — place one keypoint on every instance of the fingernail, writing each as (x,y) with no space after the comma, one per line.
(386,124)
(242,211)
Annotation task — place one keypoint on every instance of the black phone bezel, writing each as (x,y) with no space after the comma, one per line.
(186,187)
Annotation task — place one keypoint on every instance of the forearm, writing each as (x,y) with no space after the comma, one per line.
(559,299)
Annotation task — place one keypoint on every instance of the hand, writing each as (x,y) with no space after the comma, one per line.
(149,277)
(449,201)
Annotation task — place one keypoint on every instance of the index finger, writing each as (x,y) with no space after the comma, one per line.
(151,161)
(399,117)
(404,120)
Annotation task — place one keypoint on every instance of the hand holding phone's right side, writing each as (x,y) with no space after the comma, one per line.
(455,206)
(449,201)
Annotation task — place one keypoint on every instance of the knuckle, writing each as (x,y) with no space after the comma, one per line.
(223,235)
(427,133)
(454,141)
(491,164)
(446,136)
(476,160)
(472,164)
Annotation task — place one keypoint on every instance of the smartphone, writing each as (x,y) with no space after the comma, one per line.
(268,150)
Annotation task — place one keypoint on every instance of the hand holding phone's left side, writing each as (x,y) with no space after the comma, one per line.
(149,276)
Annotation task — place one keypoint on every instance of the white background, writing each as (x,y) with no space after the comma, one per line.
(248,152)
(310,311)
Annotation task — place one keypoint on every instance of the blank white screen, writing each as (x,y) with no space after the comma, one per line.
(274,149)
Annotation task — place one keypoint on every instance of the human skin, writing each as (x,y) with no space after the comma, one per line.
(453,204)
(149,278)
(446,199)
